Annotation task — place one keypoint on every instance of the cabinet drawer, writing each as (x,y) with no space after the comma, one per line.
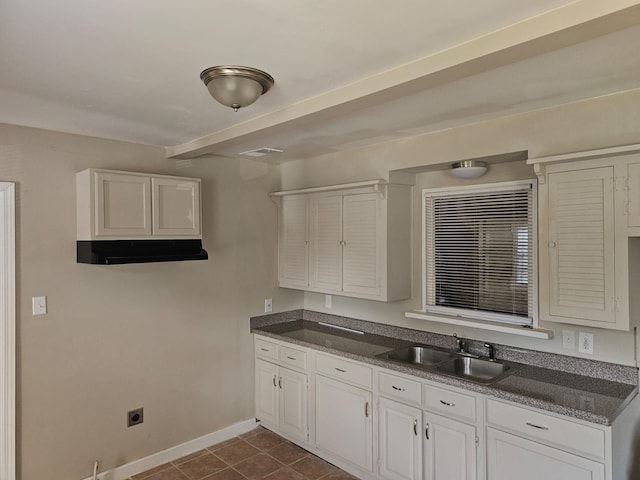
(344,370)
(266,349)
(547,429)
(408,391)
(293,357)
(448,402)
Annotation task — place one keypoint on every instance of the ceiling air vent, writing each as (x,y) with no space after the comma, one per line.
(260,152)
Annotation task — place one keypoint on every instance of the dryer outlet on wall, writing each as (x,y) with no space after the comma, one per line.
(135,417)
(268,305)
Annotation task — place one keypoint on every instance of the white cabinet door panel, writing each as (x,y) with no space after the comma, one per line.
(325,252)
(123,205)
(293,266)
(293,403)
(361,253)
(450,449)
(511,457)
(176,207)
(400,441)
(581,244)
(343,421)
(267,393)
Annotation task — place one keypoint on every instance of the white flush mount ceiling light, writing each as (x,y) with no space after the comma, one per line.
(468,169)
(236,86)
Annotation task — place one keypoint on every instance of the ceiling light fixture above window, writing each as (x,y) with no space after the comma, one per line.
(236,86)
(468,169)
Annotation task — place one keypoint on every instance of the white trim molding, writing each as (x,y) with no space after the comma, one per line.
(123,472)
(7,332)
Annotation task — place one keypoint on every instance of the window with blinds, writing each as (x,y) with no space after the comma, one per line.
(479,246)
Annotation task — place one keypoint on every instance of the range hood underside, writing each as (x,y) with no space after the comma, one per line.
(118,252)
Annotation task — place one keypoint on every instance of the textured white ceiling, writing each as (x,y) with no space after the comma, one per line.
(129,70)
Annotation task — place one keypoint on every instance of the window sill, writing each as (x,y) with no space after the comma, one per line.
(483,325)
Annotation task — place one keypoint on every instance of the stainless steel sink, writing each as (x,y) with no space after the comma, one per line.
(475,369)
(418,355)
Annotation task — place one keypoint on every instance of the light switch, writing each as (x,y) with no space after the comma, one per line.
(39,305)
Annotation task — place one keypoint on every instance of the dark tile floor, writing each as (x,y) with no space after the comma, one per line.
(258,454)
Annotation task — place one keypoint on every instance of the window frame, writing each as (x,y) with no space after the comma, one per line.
(478,315)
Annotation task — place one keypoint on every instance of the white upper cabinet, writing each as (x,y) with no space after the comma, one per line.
(114,205)
(352,240)
(362,272)
(123,204)
(293,268)
(325,252)
(581,245)
(586,211)
(176,206)
(633,185)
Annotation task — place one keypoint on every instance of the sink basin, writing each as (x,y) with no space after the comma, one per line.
(475,369)
(418,355)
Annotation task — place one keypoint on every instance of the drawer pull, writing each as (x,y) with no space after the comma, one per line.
(341,370)
(291,358)
(447,404)
(397,388)
(265,349)
(415,427)
(541,427)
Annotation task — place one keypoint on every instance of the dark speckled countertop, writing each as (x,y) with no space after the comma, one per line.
(585,389)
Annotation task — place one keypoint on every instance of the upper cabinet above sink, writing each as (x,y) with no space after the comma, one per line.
(352,240)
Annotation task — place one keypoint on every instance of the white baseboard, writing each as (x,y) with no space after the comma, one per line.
(123,472)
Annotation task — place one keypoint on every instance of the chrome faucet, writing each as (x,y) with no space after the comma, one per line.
(460,344)
(492,351)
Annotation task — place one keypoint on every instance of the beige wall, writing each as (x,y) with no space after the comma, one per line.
(598,123)
(172,338)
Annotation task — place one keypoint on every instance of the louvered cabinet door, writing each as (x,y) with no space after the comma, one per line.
(362,262)
(293,243)
(580,246)
(325,245)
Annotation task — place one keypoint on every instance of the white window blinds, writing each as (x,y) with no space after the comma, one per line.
(479,252)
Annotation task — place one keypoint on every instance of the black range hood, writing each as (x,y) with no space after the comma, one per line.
(118,252)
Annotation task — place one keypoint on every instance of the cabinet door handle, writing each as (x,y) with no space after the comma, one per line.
(541,427)
(274,381)
(415,427)
(397,388)
(447,404)
(553,244)
(366,409)
(341,370)
(280,382)
(426,431)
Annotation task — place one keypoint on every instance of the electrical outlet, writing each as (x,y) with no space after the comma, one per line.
(135,417)
(268,305)
(328,301)
(585,343)
(569,339)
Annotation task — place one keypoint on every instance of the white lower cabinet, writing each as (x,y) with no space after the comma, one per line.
(400,441)
(449,449)
(281,399)
(425,430)
(344,421)
(512,457)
